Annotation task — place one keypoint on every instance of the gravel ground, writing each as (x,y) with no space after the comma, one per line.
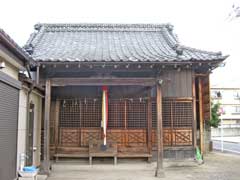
(217,166)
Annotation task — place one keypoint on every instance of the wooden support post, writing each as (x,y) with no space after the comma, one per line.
(125,124)
(194,132)
(37,75)
(159,169)
(149,118)
(57,108)
(173,132)
(125,114)
(201,115)
(46,146)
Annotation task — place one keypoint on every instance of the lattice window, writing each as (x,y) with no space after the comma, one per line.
(182,114)
(80,113)
(136,113)
(88,113)
(166,113)
(175,113)
(117,114)
(91,113)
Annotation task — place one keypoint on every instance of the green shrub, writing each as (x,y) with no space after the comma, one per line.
(215,120)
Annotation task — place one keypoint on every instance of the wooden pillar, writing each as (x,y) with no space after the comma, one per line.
(57,108)
(194,128)
(46,145)
(149,119)
(201,115)
(125,124)
(37,75)
(125,114)
(159,169)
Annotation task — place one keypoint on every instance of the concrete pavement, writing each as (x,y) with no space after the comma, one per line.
(227,146)
(217,166)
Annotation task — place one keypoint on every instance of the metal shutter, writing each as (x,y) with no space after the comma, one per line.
(9,97)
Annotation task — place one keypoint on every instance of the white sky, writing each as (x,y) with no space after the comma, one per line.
(200,24)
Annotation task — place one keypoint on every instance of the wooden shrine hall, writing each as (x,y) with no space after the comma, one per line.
(157,96)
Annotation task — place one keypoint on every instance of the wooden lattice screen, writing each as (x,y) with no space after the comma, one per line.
(123,113)
(177,122)
(137,114)
(80,121)
(80,113)
(117,114)
(176,113)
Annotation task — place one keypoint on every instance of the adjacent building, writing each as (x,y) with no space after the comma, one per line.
(20,109)
(229,100)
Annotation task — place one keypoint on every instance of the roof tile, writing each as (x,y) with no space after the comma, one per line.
(112,42)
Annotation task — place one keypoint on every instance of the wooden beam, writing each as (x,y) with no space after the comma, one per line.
(46,145)
(103,81)
(159,169)
(201,115)
(149,118)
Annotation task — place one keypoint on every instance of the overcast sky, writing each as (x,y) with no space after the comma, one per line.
(203,24)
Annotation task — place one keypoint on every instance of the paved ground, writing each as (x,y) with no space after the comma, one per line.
(232,147)
(217,166)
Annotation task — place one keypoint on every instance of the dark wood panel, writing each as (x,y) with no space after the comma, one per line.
(206,103)
(177,84)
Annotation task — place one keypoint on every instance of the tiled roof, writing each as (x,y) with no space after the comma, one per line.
(111,42)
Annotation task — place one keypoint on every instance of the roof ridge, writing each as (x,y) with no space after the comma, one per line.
(100,26)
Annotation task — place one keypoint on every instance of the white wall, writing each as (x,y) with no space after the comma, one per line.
(22,125)
(37,101)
